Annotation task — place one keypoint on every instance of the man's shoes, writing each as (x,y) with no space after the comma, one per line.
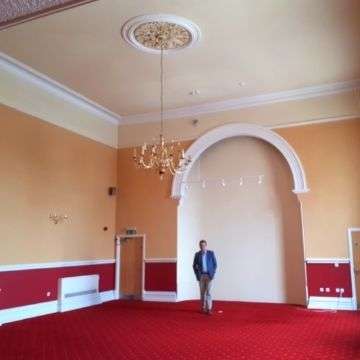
(205,311)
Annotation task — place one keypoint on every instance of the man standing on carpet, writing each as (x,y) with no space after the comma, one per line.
(204,266)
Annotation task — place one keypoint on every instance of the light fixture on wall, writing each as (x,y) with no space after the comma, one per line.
(161,34)
(259,179)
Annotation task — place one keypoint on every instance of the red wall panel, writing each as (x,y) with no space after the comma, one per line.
(329,276)
(160,276)
(24,287)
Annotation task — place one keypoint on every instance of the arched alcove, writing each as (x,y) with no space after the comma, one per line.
(276,152)
(241,129)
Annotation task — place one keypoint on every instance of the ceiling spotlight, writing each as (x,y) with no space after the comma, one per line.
(241,83)
(194,92)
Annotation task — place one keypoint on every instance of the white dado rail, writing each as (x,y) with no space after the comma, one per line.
(83,292)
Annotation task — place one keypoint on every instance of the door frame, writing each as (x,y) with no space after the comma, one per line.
(120,237)
(352,270)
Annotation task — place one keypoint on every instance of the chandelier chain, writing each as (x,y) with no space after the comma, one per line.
(164,157)
(162,90)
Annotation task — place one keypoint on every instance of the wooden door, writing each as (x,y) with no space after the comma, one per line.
(131,267)
(356,260)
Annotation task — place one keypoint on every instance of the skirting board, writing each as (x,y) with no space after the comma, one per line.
(162,296)
(331,303)
(44,308)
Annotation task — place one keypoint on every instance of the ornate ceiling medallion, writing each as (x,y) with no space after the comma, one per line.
(177,33)
(173,36)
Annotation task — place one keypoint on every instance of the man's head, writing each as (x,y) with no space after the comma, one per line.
(203,245)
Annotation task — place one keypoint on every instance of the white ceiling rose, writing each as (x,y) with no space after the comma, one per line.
(177,33)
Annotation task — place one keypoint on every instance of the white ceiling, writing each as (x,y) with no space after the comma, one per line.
(271,45)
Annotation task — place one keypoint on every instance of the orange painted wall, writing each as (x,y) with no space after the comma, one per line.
(330,153)
(44,169)
(144,202)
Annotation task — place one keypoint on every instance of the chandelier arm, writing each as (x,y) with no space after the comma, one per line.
(147,165)
(172,170)
(175,167)
(164,157)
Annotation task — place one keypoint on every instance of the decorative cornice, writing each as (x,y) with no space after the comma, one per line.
(245,102)
(16,12)
(311,121)
(51,86)
(315,121)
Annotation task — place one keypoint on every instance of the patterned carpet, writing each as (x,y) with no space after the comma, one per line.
(137,330)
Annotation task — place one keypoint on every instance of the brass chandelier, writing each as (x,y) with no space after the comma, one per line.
(162,156)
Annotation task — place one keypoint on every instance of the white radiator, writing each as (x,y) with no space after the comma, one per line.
(78,291)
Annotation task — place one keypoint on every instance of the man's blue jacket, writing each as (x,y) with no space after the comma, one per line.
(210,262)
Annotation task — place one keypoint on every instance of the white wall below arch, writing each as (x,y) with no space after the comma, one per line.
(254,229)
(189,233)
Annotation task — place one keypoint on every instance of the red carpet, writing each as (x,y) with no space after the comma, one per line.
(136,330)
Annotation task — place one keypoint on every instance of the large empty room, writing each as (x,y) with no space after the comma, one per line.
(179,180)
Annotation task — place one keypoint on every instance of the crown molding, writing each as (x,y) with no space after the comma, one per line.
(310,121)
(245,102)
(315,121)
(51,86)
(22,11)
(30,75)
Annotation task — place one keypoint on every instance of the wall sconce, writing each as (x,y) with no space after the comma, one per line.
(56,218)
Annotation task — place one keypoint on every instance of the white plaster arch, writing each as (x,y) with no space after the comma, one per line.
(242,129)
